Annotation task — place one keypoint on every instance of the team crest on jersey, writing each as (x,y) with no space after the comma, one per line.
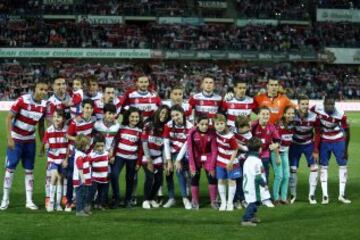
(232,106)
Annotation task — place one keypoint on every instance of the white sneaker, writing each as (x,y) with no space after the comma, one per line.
(312,200)
(244,204)
(50,207)
(268,203)
(4,204)
(222,206)
(31,206)
(238,205)
(68,208)
(146,205)
(325,200)
(169,203)
(59,208)
(293,199)
(230,207)
(187,204)
(154,204)
(344,200)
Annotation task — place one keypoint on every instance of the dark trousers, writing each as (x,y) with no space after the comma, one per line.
(266,164)
(102,189)
(153,181)
(196,178)
(130,175)
(81,197)
(239,195)
(250,211)
(69,171)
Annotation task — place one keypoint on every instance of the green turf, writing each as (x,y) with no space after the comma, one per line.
(298,221)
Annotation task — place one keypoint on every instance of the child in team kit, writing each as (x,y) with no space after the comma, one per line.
(242,134)
(82,174)
(202,152)
(227,165)
(99,165)
(82,124)
(175,134)
(153,159)
(128,152)
(253,179)
(56,143)
(280,157)
(77,97)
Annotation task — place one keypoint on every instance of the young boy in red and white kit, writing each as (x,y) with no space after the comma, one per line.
(84,125)
(56,143)
(81,179)
(227,165)
(99,164)
(77,97)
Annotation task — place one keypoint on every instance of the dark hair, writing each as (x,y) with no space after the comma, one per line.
(200,117)
(263,108)
(178,108)
(207,76)
(239,80)
(126,115)
(41,81)
(109,107)
(142,75)
(302,97)
(330,96)
(98,137)
(242,121)
(91,79)
(177,87)
(254,144)
(107,86)
(59,77)
(78,79)
(88,101)
(155,124)
(283,116)
(61,113)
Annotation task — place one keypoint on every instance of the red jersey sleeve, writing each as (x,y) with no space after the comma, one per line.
(344,122)
(72,128)
(76,99)
(233,143)
(16,107)
(46,137)
(166,133)
(79,162)
(192,102)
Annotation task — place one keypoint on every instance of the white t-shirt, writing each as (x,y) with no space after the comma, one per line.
(252,167)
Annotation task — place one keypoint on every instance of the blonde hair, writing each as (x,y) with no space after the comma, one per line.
(220,118)
(81,142)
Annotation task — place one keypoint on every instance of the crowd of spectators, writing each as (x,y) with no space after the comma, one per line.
(277,9)
(35,32)
(313,79)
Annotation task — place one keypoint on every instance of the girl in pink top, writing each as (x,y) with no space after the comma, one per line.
(202,151)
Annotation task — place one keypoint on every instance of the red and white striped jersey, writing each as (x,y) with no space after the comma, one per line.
(99,107)
(57,144)
(76,98)
(304,128)
(286,136)
(81,163)
(147,102)
(55,103)
(79,126)
(109,133)
(242,139)
(206,104)
(96,97)
(99,166)
(236,107)
(155,143)
(176,135)
(331,126)
(27,114)
(128,142)
(227,145)
(185,105)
